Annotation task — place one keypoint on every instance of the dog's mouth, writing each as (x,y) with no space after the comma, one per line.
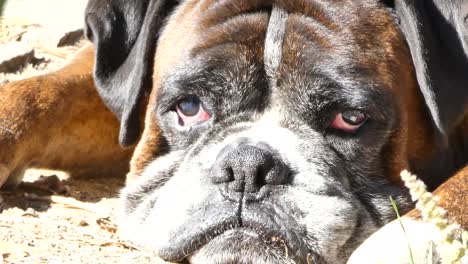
(236,243)
(240,245)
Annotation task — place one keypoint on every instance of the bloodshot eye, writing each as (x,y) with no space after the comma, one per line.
(190,110)
(349,121)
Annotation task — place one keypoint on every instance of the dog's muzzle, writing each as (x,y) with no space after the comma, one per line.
(246,170)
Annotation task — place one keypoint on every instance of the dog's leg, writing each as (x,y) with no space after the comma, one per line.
(58,121)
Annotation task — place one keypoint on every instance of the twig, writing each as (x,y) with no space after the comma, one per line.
(66,201)
(395,208)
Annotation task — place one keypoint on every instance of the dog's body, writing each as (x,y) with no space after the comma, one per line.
(280,124)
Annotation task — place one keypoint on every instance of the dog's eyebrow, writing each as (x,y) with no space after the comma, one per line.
(274,41)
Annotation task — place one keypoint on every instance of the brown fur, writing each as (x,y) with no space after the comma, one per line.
(58,121)
(453,197)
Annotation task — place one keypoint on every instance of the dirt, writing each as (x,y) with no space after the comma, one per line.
(40,225)
(51,218)
(39,26)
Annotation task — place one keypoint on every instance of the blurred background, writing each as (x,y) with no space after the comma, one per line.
(38,36)
(1,6)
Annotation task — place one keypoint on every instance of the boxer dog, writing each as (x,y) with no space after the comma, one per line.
(265,131)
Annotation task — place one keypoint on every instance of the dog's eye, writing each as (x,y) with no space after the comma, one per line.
(349,120)
(190,110)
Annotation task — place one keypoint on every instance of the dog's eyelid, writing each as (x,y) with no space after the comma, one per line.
(349,121)
(167,101)
(165,106)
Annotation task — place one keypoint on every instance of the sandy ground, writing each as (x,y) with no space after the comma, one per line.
(53,219)
(40,225)
(38,26)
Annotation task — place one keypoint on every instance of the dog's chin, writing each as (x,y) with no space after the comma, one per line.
(242,246)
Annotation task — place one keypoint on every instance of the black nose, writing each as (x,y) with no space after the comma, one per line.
(247,168)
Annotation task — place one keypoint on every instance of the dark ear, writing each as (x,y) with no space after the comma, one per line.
(124,33)
(437,35)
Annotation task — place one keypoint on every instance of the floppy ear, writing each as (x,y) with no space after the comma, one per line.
(437,35)
(124,33)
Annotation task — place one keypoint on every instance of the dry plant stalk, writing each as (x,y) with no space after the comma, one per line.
(451,241)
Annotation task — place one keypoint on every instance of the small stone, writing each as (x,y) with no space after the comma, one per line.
(53,183)
(71,38)
(30,212)
(83,223)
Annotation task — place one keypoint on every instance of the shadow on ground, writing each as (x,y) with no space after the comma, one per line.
(39,194)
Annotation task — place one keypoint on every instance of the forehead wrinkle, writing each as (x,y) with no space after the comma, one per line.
(218,11)
(274,41)
(247,30)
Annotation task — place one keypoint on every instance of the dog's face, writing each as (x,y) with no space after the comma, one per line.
(279,127)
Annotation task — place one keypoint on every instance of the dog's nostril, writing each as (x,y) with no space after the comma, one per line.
(247,168)
(229,174)
(222,174)
(259,179)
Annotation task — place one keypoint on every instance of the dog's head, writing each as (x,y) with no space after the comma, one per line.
(274,131)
